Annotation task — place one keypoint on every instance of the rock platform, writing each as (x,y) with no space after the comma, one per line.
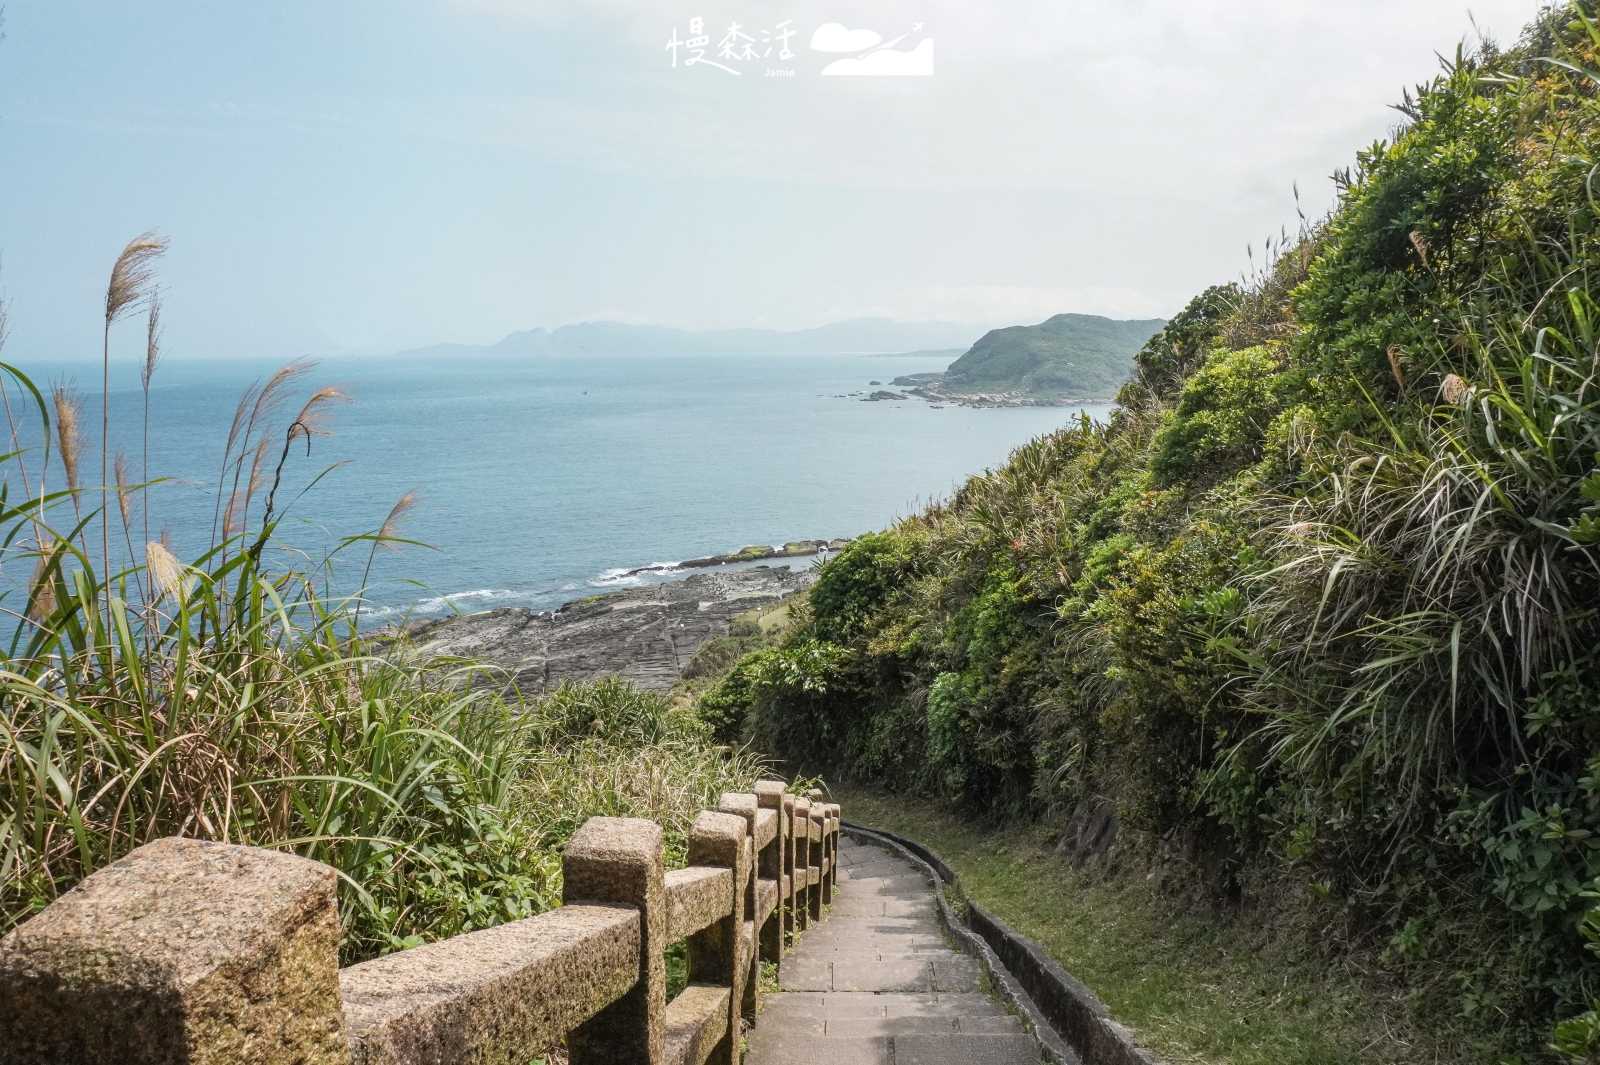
(645,634)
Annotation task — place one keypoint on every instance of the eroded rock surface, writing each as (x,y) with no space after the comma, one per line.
(646,634)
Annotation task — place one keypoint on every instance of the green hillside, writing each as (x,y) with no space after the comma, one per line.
(1308,630)
(1070,356)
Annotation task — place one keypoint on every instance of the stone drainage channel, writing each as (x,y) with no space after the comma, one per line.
(879,982)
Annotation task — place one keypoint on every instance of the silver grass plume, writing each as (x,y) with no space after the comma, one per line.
(166,572)
(132,275)
(69,441)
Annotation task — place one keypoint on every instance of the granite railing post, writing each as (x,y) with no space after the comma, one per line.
(619,859)
(819,842)
(832,849)
(802,863)
(830,877)
(790,858)
(825,880)
(717,952)
(182,951)
(769,865)
(747,806)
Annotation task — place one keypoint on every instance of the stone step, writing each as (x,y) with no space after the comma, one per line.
(906,973)
(803,1048)
(884,885)
(877,983)
(886,926)
(880,945)
(802,1004)
(866,1027)
(943,1049)
(883,906)
(869,1027)
(1016,1049)
(886,867)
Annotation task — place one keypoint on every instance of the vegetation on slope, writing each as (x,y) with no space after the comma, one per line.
(1071,356)
(1317,613)
(231,698)
(1196,984)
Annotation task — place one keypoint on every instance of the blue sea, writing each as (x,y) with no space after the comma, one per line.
(545,479)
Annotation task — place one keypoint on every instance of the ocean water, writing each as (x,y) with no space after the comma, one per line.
(542,479)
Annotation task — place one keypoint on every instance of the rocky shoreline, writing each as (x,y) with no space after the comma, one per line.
(930,386)
(644,634)
(753,553)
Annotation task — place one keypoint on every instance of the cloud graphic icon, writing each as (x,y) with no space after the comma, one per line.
(918,61)
(833,37)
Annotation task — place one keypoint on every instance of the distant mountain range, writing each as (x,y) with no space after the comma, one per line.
(1071,356)
(615,338)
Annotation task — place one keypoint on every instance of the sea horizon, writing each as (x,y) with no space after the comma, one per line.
(544,479)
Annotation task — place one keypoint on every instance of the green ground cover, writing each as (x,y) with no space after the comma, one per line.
(1195,983)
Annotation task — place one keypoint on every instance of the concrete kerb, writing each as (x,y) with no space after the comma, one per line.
(1097,1038)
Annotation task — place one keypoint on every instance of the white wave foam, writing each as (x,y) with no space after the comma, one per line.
(622,578)
(440,603)
(615,578)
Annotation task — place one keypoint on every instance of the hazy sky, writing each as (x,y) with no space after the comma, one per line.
(368,175)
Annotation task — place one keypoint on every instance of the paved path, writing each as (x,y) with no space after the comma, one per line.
(877,983)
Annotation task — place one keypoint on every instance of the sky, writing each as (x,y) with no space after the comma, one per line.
(364,176)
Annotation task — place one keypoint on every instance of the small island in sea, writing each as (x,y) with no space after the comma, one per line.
(1063,361)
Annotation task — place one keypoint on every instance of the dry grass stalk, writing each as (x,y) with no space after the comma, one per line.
(274,394)
(1420,243)
(166,572)
(387,532)
(42,593)
(1396,357)
(5,397)
(314,416)
(397,515)
(124,493)
(152,342)
(230,526)
(258,471)
(152,357)
(259,403)
(132,284)
(69,417)
(133,274)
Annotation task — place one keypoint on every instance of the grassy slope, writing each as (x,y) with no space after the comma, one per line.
(1074,356)
(1193,987)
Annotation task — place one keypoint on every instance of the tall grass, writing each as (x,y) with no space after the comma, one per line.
(231,697)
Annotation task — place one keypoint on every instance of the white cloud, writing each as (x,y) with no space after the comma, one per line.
(832,37)
(887,61)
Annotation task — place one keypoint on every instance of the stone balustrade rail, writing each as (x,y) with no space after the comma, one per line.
(213,954)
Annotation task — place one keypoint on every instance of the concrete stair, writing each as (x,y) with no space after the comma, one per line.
(878,984)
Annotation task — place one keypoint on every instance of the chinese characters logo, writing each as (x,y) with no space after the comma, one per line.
(863,51)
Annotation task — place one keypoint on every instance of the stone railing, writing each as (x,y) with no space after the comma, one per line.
(186,951)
